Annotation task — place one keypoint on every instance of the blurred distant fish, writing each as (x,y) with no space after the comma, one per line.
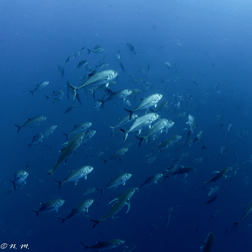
(19,178)
(96,49)
(70,108)
(89,191)
(192,124)
(82,127)
(61,70)
(50,131)
(81,63)
(117,154)
(118,55)
(95,154)
(213,190)
(55,95)
(199,138)
(246,212)
(119,95)
(230,126)
(32,121)
(36,139)
(220,174)
(75,175)
(182,170)
(129,248)
(212,199)
(219,119)
(170,210)
(79,210)
(52,205)
(105,245)
(131,48)
(152,180)
(208,243)
(40,86)
(121,65)
(165,144)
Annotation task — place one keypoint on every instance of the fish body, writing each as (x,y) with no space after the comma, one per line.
(76,175)
(119,95)
(192,124)
(129,248)
(40,86)
(31,122)
(219,175)
(81,63)
(199,138)
(70,108)
(131,48)
(182,170)
(157,127)
(82,127)
(119,180)
(89,191)
(140,123)
(117,154)
(95,154)
(121,201)
(55,95)
(208,243)
(50,131)
(246,212)
(170,210)
(146,103)
(19,178)
(88,135)
(79,210)
(152,180)
(213,190)
(69,149)
(96,50)
(36,139)
(52,205)
(212,199)
(118,55)
(162,105)
(170,141)
(124,121)
(105,245)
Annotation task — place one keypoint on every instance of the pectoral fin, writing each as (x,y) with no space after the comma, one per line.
(128,204)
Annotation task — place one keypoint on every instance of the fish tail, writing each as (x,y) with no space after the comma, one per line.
(125,134)
(85,245)
(37,212)
(60,184)
(31,92)
(141,140)
(50,172)
(96,223)
(130,111)
(235,224)
(13,184)
(74,89)
(89,51)
(101,190)
(19,127)
(62,219)
(66,135)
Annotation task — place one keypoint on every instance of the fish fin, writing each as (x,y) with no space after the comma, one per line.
(113,200)
(128,204)
(125,134)
(85,246)
(31,92)
(19,127)
(37,212)
(62,219)
(66,135)
(89,51)
(13,184)
(130,111)
(60,183)
(141,139)
(96,223)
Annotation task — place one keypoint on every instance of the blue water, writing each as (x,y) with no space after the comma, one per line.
(208,41)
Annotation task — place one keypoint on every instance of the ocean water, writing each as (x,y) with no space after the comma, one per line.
(208,46)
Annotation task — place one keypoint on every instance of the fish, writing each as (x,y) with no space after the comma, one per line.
(105,245)
(129,248)
(230,126)
(69,149)
(244,215)
(88,135)
(220,174)
(146,103)
(152,180)
(213,190)
(219,124)
(124,121)
(40,86)
(131,48)
(82,127)
(117,154)
(52,205)
(55,95)
(119,95)
(96,50)
(70,108)
(158,126)
(89,191)
(121,65)
(31,122)
(118,55)
(95,154)
(36,139)
(81,63)
(192,124)
(61,70)
(95,80)
(75,175)
(182,170)
(119,180)
(162,105)
(208,243)
(169,142)
(170,210)
(140,123)
(50,131)
(168,65)
(79,210)
(121,201)
(19,178)
(212,199)
(199,138)
(169,172)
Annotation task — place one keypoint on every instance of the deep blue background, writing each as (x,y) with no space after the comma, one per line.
(209,41)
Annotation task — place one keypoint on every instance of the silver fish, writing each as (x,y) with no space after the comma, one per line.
(208,243)
(31,122)
(50,131)
(192,124)
(152,180)
(124,121)
(129,248)
(79,128)
(131,48)
(105,245)
(36,139)
(19,178)
(40,86)
(165,144)
(117,154)
(55,95)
